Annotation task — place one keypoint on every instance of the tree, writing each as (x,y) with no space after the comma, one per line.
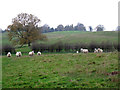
(45,28)
(90,28)
(60,27)
(80,27)
(24,29)
(100,28)
(68,27)
(118,28)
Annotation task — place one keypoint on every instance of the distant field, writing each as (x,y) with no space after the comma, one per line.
(75,37)
(61,71)
(85,37)
(5,39)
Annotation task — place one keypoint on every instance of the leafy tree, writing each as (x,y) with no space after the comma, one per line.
(90,27)
(100,28)
(80,27)
(25,30)
(67,28)
(51,29)
(60,27)
(118,28)
(45,28)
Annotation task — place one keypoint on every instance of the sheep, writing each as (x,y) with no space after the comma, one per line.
(84,50)
(18,54)
(77,52)
(39,53)
(31,53)
(9,54)
(96,50)
(100,50)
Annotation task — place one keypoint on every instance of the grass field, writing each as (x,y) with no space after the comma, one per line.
(61,71)
(72,37)
(75,37)
(78,37)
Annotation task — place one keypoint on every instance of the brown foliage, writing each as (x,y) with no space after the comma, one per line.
(24,29)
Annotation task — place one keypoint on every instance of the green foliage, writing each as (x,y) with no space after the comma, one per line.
(61,71)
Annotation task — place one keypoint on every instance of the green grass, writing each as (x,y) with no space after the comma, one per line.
(69,70)
(75,37)
(5,39)
(78,37)
(24,49)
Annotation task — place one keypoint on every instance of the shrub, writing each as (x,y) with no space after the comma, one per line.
(8,48)
(92,46)
(35,47)
(67,47)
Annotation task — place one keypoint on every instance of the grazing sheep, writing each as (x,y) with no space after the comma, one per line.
(100,50)
(39,53)
(84,50)
(31,53)
(96,50)
(18,54)
(9,54)
(77,52)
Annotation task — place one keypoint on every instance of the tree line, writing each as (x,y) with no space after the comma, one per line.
(65,47)
(79,27)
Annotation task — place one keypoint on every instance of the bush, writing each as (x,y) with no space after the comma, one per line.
(92,46)
(8,48)
(67,47)
(35,47)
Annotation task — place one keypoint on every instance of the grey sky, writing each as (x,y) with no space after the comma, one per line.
(55,12)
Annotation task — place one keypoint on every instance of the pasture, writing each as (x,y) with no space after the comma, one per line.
(75,37)
(71,70)
(82,37)
(63,69)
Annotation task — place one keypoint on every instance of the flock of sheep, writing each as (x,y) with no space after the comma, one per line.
(95,51)
(19,54)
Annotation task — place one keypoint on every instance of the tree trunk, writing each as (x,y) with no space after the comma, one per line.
(28,43)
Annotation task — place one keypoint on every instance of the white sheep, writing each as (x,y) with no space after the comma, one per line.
(39,53)
(77,52)
(96,50)
(31,53)
(18,54)
(100,50)
(84,50)
(8,54)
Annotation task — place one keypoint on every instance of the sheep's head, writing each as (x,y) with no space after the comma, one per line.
(19,53)
(9,54)
(33,52)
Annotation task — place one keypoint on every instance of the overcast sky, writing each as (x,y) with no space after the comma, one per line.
(55,12)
